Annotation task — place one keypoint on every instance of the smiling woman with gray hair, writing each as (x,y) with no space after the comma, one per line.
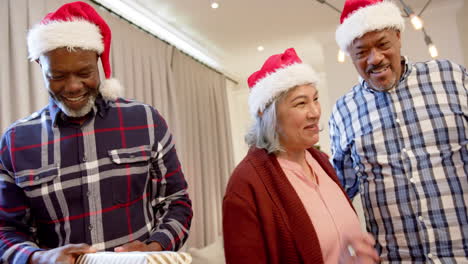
(283,203)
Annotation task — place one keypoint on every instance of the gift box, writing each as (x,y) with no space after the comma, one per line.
(160,257)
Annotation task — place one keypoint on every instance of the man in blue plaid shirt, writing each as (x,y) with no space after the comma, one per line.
(90,171)
(399,138)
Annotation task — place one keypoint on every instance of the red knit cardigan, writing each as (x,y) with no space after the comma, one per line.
(264,220)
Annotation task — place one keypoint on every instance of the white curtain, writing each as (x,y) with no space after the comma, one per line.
(191,97)
(19,90)
(201,98)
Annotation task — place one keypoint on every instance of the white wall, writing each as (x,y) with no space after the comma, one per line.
(462,22)
(240,121)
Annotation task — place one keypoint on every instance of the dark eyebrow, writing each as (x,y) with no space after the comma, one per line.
(87,67)
(382,39)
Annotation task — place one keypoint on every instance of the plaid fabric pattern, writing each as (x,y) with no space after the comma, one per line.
(406,152)
(112,180)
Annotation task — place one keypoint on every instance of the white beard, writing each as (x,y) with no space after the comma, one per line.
(381,88)
(77,113)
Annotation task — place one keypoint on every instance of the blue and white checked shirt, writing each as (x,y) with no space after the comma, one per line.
(112,180)
(406,152)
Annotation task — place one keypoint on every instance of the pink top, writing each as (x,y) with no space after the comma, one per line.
(333,218)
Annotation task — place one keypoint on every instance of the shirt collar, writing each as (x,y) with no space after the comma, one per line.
(406,68)
(101,107)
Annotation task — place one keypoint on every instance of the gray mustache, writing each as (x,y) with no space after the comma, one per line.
(374,67)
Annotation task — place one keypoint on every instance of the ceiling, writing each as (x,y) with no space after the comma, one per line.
(232,32)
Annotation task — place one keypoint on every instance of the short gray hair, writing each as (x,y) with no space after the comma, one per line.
(263,132)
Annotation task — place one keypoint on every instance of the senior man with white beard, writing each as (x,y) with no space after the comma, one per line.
(90,171)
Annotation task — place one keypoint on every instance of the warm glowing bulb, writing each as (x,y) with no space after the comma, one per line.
(433,51)
(214,5)
(341,56)
(260,48)
(416,21)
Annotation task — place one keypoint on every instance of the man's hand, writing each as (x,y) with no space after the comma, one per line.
(139,246)
(61,255)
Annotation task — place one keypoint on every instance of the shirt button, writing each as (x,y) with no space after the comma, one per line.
(397,120)
(36,178)
(84,159)
(429,255)
(411,180)
(421,218)
(403,149)
(88,193)
(90,227)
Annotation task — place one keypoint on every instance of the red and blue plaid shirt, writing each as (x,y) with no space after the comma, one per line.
(113,179)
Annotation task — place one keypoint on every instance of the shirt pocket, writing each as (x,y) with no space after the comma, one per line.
(30,180)
(130,173)
(38,185)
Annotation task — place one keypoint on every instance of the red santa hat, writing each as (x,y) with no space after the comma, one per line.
(278,74)
(75,25)
(362,16)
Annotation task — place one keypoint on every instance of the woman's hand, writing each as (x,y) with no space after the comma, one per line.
(359,250)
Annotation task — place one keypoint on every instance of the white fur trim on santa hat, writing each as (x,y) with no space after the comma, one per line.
(111,89)
(57,34)
(375,17)
(279,81)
